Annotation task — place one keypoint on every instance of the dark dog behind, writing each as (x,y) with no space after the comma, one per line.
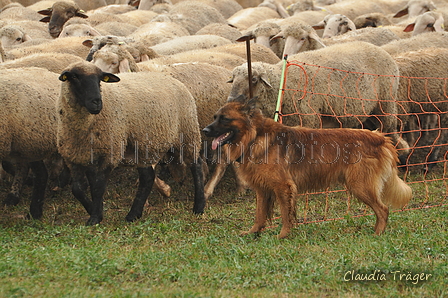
(279,161)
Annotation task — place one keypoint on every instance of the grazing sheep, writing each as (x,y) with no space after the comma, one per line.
(98,42)
(58,14)
(135,122)
(154,33)
(335,24)
(28,119)
(354,8)
(418,42)
(54,62)
(263,32)
(422,96)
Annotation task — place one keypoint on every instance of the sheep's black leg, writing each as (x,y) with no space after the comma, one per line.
(145,182)
(39,186)
(20,174)
(98,182)
(79,187)
(198,179)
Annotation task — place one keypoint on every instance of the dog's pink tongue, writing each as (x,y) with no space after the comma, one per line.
(217,141)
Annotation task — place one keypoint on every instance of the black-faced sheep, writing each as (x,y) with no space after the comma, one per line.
(28,134)
(58,14)
(134,122)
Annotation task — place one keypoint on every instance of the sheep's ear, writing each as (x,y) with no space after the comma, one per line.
(230,80)
(26,37)
(409,27)
(264,79)
(81,14)
(46,12)
(275,38)
(45,20)
(88,43)
(110,78)
(64,76)
(320,25)
(144,57)
(401,13)
(124,66)
(247,36)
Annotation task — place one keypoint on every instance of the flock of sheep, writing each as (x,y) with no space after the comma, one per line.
(165,67)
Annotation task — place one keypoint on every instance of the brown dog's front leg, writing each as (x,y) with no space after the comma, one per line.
(261,213)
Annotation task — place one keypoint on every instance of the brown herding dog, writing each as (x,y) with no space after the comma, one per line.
(280,161)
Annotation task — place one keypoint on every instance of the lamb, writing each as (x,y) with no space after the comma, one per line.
(422,97)
(58,14)
(128,123)
(29,114)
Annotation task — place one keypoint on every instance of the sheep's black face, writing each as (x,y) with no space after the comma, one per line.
(85,88)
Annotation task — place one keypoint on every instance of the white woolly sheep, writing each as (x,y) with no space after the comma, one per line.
(70,45)
(374,19)
(418,42)
(222,30)
(188,43)
(360,57)
(263,32)
(54,62)
(247,17)
(114,58)
(11,35)
(335,24)
(422,93)
(299,37)
(28,97)
(428,22)
(79,30)
(154,33)
(377,36)
(145,115)
(18,13)
(192,15)
(416,7)
(2,53)
(354,8)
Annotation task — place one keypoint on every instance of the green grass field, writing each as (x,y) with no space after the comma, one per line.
(172,253)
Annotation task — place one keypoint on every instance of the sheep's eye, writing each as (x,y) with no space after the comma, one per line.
(303,38)
(18,38)
(254,80)
(430,25)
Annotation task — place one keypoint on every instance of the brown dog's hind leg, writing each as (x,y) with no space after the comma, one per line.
(368,193)
(286,196)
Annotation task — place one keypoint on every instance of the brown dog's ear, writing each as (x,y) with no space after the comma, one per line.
(250,105)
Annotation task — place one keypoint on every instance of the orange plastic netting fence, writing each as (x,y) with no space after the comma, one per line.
(413,110)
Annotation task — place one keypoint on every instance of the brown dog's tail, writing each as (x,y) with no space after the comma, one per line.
(396,193)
